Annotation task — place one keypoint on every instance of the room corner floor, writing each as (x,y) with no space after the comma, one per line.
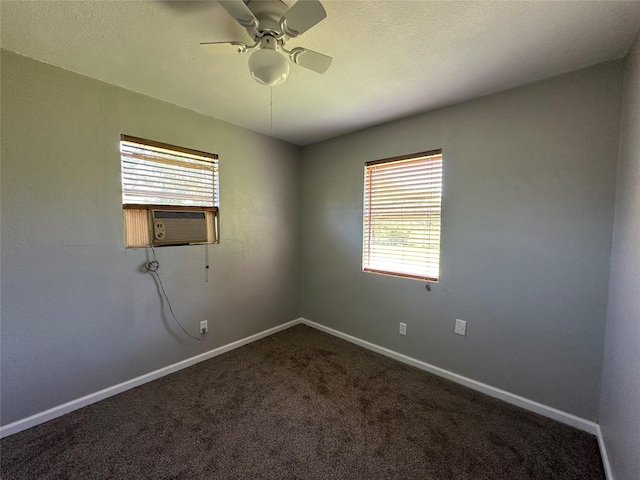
(301,404)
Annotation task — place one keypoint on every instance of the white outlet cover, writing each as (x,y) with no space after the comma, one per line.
(461,327)
(403,328)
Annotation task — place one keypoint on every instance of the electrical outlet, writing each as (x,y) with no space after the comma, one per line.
(403,328)
(461,327)
(204,326)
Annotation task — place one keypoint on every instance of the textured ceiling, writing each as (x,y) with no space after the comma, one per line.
(390,58)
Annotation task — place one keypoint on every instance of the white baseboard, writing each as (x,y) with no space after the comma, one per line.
(604,455)
(60,410)
(550,412)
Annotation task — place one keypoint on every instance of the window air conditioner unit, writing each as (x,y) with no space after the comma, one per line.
(176,227)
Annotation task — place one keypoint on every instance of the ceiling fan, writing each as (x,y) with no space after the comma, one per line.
(270,23)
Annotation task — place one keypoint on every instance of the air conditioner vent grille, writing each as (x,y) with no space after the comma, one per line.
(174,227)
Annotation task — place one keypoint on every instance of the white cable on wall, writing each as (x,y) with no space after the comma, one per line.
(153,267)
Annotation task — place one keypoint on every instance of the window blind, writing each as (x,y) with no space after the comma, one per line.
(402,210)
(165,175)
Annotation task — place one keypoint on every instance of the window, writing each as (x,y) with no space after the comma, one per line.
(170,195)
(402,200)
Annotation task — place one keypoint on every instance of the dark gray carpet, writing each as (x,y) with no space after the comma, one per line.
(301,404)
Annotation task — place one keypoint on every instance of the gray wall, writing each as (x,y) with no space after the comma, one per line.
(620,397)
(529,177)
(528,209)
(78,314)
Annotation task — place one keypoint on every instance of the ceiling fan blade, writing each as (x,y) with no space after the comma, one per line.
(239,10)
(224,48)
(302,16)
(309,59)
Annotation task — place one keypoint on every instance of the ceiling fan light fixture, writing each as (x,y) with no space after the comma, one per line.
(268,67)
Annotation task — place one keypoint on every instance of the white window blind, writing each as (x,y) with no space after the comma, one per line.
(402,206)
(158,174)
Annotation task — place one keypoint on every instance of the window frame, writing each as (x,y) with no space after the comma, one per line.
(212,212)
(367,227)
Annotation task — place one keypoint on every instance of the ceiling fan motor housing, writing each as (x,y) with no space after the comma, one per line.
(269,13)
